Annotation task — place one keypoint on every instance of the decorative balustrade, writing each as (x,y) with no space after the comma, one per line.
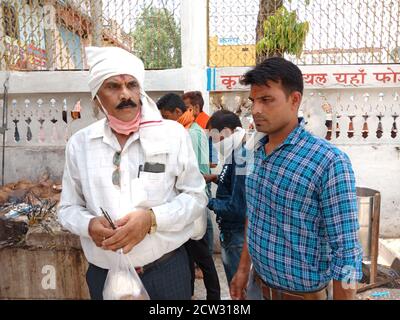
(44,120)
(340,116)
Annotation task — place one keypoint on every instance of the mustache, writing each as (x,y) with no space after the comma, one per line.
(126,104)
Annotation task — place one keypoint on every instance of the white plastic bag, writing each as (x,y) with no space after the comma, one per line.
(123,282)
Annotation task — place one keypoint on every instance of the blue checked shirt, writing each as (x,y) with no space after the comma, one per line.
(302,214)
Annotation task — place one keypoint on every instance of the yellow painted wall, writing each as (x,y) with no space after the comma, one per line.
(230,55)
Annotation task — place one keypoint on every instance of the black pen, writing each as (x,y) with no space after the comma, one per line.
(107,216)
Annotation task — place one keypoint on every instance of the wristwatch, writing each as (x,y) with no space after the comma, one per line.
(153,227)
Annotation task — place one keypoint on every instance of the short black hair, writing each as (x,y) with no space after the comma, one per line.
(224,119)
(170,102)
(195,97)
(278,70)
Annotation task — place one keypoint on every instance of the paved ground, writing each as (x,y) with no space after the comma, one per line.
(380,294)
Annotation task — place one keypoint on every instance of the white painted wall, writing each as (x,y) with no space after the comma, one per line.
(378,167)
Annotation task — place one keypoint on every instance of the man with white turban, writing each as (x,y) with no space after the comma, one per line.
(140,169)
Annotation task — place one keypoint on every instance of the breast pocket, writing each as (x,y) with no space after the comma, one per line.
(150,189)
(154,183)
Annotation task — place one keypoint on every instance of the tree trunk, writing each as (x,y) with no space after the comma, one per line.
(267,9)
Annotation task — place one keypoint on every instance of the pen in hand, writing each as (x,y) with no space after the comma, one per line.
(107,216)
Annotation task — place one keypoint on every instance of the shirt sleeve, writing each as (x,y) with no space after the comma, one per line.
(191,201)
(72,213)
(338,203)
(201,149)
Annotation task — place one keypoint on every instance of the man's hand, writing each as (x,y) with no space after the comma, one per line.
(239,281)
(99,230)
(211,178)
(238,285)
(131,230)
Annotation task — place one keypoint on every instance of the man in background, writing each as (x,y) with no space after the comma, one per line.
(194,100)
(172,107)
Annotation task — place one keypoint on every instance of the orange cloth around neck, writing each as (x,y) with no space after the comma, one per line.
(187,118)
(202,119)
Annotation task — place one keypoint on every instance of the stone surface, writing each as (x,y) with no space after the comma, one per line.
(28,273)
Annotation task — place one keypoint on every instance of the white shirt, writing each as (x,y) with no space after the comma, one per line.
(176,196)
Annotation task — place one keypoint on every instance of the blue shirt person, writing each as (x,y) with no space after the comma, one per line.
(301,198)
(229,203)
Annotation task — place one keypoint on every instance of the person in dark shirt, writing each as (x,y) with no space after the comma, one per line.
(229,204)
(173,108)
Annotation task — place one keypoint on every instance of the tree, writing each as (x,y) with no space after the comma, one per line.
(157,39)
(279,31)
(267,8)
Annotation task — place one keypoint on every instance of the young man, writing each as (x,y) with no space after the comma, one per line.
(172,107)
(229,204)
(194,100)
(301,198)
(112,165)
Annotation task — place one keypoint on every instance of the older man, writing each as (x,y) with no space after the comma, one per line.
(172,107)
(126,165)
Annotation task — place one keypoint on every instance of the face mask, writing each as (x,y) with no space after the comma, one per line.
(228,144)
(119,126)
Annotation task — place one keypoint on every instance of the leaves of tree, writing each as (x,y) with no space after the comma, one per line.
(157,38)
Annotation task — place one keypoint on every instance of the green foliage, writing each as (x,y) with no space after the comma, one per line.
(283,33)
(157,39)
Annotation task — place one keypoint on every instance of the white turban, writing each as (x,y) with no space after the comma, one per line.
(106,62)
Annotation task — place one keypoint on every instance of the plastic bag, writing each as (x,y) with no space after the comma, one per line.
(123,282)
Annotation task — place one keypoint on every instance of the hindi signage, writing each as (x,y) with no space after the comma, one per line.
(327,76)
